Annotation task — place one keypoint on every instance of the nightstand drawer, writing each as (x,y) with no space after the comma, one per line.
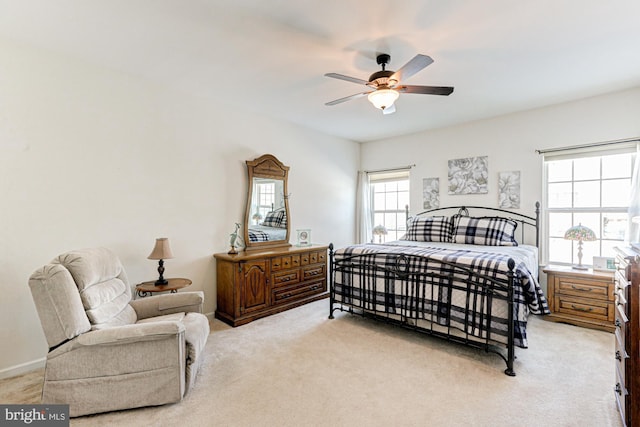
(583,307)
(583,288)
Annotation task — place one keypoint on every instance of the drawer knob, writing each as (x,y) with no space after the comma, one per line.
(618,323)
(618,389)
(618,355)
(581,308)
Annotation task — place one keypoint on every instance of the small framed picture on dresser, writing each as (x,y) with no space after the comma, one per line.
(604,263)
(304,237)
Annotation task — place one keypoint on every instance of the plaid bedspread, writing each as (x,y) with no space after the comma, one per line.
(258,236)
(462,289)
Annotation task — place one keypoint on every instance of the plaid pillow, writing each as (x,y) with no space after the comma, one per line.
(488,231)
(429,229)
(273,219)
(283,223)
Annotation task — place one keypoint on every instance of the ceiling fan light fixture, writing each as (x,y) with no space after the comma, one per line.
(383,98)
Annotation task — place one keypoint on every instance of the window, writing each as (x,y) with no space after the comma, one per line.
(389,198)
(592,189)
(265,196)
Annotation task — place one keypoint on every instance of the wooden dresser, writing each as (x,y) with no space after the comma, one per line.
(581,297)
(627,352)
(259,283)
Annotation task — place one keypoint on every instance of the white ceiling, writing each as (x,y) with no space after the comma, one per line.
(270,56)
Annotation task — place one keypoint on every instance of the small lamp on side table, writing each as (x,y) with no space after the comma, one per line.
(581,234)
(161,251)
(379,230)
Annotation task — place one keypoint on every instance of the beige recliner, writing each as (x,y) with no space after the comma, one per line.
(109,352)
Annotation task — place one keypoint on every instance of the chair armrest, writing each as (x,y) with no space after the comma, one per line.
(183,302)
(124,335)
(122,350)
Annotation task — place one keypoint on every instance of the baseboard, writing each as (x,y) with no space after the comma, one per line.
(20,369)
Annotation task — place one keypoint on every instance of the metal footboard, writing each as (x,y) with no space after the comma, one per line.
(421,299)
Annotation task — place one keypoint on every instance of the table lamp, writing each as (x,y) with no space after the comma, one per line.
(161,251)
(581,234)
(379,230)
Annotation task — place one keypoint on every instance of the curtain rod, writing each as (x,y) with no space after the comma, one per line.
(594,144)
(391,169)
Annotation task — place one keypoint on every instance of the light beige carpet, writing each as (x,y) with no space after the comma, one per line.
(300,369)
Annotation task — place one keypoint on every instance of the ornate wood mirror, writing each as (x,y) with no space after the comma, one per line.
(266,216)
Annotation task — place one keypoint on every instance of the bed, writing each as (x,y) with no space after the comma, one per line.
(461,273)
(274,227)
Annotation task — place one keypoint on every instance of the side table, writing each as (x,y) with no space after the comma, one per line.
(581,297)
(147,288)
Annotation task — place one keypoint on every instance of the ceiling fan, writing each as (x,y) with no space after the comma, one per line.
(386,84)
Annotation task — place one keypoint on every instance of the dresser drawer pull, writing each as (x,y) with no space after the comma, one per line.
(618,323)
(618,389)
(581,289)
(314,287)
(618,355)
(581,308)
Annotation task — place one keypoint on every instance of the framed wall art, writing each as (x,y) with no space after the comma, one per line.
(509,190)
(469,175)
(431,193)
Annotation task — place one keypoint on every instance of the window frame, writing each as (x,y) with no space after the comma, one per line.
(600,210)
(400,211)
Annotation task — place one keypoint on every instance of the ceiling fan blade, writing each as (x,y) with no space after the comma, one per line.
(390,109)
(426,90)
(410,68)
(347,78)
(347,98)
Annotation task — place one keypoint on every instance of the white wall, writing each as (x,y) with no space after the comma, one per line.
(510,142)
(93,157)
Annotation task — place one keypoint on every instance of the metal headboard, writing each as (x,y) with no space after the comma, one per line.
(532,221)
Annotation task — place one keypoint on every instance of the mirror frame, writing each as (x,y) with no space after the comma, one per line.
(266,166)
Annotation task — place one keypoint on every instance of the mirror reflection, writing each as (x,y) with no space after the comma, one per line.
(267,210)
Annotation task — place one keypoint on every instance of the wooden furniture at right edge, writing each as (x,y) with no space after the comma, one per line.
(262,282)
(580,297)
(627,352)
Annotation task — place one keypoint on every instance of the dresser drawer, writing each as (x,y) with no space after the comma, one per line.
(288,293)
(583,288)
(316,271)
(583,307)
(286,277)
(621,398)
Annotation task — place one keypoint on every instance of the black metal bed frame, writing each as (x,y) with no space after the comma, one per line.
(416,284)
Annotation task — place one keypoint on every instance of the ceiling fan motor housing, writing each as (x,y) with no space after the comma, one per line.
(382,78)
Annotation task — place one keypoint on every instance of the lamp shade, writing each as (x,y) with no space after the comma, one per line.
(161,250)
(379,230)
(581,233)
(383,98)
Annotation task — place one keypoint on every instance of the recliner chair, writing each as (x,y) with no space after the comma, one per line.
(106,351)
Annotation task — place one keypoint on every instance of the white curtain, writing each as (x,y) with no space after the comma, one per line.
(363,209)
(633,229)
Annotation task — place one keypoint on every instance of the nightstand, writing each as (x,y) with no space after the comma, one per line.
(147,288)
(581,297)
